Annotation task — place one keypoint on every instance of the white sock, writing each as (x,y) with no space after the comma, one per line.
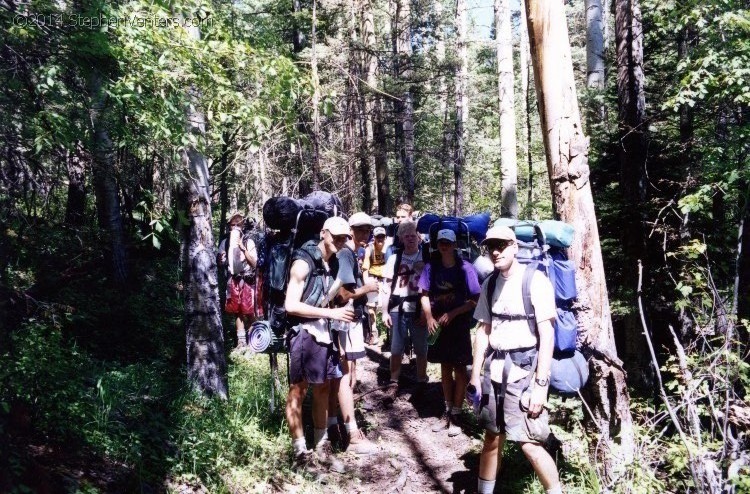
(485,486)
(332,421)
(555,490)
(299,445)
(448,406)
(455,410)
(351,426)
(319,436)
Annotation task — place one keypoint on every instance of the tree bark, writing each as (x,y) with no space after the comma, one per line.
(595,58)
(506,98)
(567,165)
(206,363)
(462,106)
(525,62)
(315,137)
(75,208)
(375,113)
(404,106)
(105,183)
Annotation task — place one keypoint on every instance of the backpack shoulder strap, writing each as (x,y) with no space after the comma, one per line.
(491,284)
(396,264)
(528,307)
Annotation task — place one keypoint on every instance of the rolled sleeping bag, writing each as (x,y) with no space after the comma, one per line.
(260,337)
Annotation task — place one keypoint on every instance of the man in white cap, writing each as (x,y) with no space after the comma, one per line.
(351,343)
(313,359)
(516,387)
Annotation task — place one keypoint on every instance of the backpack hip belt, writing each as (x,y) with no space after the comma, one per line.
(519,357)
(398,302)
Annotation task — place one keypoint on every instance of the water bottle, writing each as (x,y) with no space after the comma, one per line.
(343,326)
(474,397)
(432,338)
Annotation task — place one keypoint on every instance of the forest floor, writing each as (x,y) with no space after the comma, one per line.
(412,458)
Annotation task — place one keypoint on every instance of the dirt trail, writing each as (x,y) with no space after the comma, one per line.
(413,459)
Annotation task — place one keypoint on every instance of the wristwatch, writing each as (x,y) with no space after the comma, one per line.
(541,382)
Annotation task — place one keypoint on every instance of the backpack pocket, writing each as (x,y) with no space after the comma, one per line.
(564,279)
(566,330)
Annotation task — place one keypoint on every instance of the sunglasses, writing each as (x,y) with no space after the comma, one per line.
(498,245)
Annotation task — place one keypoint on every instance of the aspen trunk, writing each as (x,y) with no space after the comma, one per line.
(105,183)
(506,98)
(404,106)
(567,165)
(75,208)
(595,57)
(462,106)
(525,63)
(375,107)
(206,363)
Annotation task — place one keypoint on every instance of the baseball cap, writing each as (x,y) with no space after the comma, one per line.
(337,226)
(446,234)
(499,233)
(360,219)
(378,231)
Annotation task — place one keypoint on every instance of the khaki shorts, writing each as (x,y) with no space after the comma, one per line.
(512,420)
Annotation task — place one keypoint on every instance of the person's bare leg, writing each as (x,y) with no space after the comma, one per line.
(293,409)
(543,464)
(333,397)
(345,396)
(491,456)
(239,325)
(446,379)
(320,404)
(352,374)
(459,388)
(422,368)
(395,366)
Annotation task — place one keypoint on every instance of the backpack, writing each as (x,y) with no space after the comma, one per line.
(470,231)
(569,370)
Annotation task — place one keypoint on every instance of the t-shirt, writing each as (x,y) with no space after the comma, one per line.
(374,261)
(449,291)
(407,283)
(508,299)
(348,271)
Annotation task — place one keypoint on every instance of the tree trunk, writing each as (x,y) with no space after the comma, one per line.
(404,106)
(315,137)
(462,106)
(506,97)
(105,183)
(595,59)
(567,165)
(375,113)
(75,209)
(206,363)
(525,62)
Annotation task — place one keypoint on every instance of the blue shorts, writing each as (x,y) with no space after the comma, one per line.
(408,322)
(311,361)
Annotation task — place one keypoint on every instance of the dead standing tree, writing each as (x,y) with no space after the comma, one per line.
(567,165)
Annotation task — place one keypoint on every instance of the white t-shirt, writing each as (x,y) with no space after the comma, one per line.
(409,272)
(508,299)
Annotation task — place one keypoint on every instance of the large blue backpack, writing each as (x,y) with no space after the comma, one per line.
(540,252)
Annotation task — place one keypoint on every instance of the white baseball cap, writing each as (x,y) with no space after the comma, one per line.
(378,231)
(360,219)
(446,234)
(337,225)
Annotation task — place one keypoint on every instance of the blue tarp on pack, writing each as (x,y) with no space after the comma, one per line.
(478,224)
(557,233)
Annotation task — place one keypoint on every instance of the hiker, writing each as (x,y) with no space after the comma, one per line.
(240,258)
(404,212)
(372,266)
(449,288)
(399,303)
(350,340)
(506,348)
(313,359)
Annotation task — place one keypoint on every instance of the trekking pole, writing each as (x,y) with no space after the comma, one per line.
(274,378)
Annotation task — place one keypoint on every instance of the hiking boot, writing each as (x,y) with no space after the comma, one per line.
(360,445)
(448,422)
(306,461)
(327,458)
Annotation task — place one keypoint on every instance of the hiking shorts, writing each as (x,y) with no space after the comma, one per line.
(407,323)
(453,345)
(240,297)
(312,361)
(510,418)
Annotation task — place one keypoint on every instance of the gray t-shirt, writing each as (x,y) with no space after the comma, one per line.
(349,272)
